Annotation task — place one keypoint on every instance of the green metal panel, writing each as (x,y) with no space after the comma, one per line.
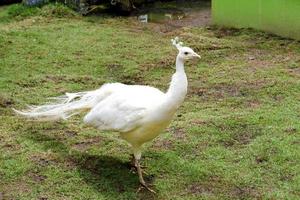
(292,16)
(281,17)
(271,15)
(246,13)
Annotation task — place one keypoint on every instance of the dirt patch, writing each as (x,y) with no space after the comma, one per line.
(70,133)
(240,139)
(256,63)
(208,186)
(162,144)
(225,32)
(10,147)
(84,145)
(261,159)
(136,79)
(6,102)
(198,188)
(245,192)
(167,62)
(16,188)
(266,59)
(199,122)
(287,177)
(111,67)
(216,185)
(55,79)
(29,83)
(37,177)
(42,198)
(294,72)
(118,71)
(253,104)
(93,163)
(196,91)
(223,90)
(43,160)
(244,138)
(238,134)
(79,53)
(178,133)
(291,130)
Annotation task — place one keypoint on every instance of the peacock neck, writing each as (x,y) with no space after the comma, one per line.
(178,87)
(179,65)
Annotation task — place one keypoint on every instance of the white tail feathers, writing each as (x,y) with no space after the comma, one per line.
(64,106)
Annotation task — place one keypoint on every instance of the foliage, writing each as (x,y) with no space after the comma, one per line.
(57,10)
(20,11)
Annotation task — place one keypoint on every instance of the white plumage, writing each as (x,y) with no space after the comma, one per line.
(124,108)
(138,112)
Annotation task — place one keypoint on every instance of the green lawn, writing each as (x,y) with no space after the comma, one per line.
(235,137)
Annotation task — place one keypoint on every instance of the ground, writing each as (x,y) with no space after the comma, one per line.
(235,137)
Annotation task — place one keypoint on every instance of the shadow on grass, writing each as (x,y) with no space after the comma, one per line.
(106,174)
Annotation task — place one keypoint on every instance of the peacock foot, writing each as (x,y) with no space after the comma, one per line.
(141,179)
(133,167)
(144,186)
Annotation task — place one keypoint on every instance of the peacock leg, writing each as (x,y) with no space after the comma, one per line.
(133,165)
(140,173)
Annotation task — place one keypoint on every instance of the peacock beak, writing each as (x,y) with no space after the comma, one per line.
(196,55)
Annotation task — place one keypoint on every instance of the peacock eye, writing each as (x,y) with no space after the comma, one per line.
(186,53)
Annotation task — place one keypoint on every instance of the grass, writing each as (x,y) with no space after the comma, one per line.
(235,137)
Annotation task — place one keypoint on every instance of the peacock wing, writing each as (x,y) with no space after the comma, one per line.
(118,113)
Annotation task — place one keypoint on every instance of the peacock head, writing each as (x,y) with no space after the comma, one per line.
(185,53)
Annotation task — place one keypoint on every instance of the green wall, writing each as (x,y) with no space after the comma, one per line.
(281,17)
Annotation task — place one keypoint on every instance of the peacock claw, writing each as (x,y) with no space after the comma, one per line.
(133,169)
(149,189)
(144,186)
(141,179)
